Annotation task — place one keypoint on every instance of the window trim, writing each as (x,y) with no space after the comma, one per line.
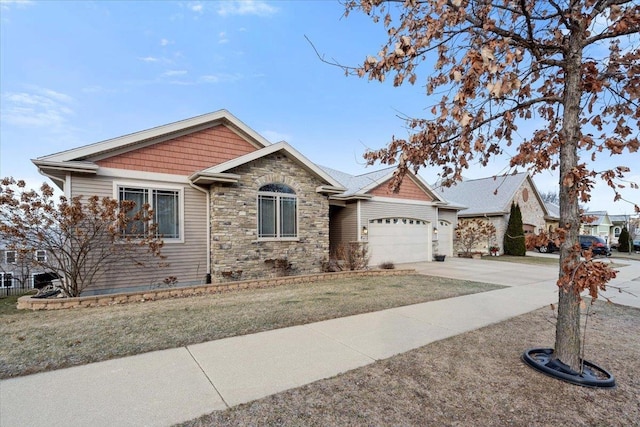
(38,251)
(278,198)
(150,186)
(2,278)
(6,257)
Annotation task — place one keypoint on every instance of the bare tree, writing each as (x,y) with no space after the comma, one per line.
(473,232)
(83,240)
(550,197)
(569,66)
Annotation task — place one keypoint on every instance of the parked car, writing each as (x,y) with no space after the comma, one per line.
(550,247)
(636,245)
(597,244)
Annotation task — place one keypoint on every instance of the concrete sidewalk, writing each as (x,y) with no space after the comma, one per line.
(166,387)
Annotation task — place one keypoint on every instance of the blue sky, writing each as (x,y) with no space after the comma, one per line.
(74,73)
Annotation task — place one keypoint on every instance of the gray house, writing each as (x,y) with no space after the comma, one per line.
(490,199)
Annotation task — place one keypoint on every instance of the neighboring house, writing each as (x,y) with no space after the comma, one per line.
(18,271)
(600,226)
(490,199)
(552,220)
(230,205)
(410,225)
(618,222)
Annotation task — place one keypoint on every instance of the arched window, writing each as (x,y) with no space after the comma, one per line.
(277,212)
(616,231)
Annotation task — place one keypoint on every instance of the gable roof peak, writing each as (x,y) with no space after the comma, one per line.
(159,133)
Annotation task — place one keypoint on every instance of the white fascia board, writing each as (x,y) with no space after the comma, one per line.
(273,148)
(351,197)
(209,178)
(142,175)
(222,116)
(83,167)
(329,189)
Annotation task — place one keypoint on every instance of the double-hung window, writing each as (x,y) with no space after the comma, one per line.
(277,212)
(41,256)
(10,257)
(7,280)
(165,204)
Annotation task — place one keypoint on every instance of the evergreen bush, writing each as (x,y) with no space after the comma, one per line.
(623,240)
(514,241)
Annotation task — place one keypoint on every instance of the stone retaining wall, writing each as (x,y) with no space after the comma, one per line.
(29,303)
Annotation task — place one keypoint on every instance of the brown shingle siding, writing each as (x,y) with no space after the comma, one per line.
(184,155)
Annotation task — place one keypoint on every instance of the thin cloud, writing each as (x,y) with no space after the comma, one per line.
(6,4)
(222,38)
(220,78)
(246,7)
(148,59)
(196,7)
(165,42)
(40,107)
(170,73)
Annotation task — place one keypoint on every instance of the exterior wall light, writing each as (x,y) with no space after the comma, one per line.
(365,230)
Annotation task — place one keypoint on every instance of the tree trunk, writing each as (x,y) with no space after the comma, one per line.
(567,346)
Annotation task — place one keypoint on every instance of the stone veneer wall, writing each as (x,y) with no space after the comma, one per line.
(236,252)
(532,211)
(29,303)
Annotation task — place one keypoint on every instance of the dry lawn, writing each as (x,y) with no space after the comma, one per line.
(474,379)
(40,341)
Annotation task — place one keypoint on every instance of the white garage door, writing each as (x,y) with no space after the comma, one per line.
(399,240)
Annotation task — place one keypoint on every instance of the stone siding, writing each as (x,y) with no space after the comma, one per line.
(531,209)
(236,251)
(29,303)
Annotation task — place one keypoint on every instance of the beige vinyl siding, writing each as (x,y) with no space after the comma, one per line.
(186,261)
(344,225)
(446,232)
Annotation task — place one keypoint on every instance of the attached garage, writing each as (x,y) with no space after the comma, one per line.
(399,240)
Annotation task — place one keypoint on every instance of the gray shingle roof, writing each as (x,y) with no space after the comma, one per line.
(485,196)
(619,218)
(553,209)
(356,183)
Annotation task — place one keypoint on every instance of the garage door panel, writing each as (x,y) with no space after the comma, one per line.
(402,240)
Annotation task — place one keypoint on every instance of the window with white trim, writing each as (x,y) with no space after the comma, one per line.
(10,257)
(277,212)
(7,280)
(165,204)
(41,256)
(617,231)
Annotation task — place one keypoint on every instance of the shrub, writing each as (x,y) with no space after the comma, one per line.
(514,241)
(387,265)
(352,256)
(623,240)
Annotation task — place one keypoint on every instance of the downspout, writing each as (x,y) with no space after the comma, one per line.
(208,198)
